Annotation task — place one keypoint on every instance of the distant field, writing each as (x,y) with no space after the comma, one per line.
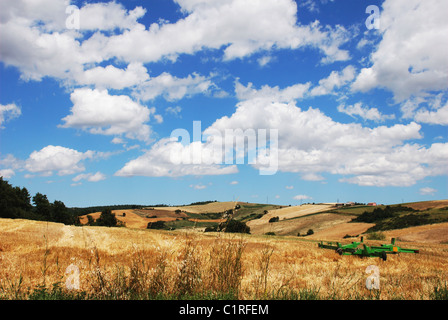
(285,215)
(133,218)
(205,208)
(325,220)
(424,205)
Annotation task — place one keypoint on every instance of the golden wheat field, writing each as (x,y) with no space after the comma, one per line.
(124,263)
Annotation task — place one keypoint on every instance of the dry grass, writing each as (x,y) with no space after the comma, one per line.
(122,263)
(424,205)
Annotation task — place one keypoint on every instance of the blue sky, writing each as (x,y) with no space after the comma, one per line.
(91,93)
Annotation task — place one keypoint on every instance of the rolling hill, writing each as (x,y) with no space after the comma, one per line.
(429,219)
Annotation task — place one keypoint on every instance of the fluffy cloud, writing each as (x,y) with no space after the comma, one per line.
(7,173)
(111,77)
(438,116)
(9,164)
(98,176)
(8,112)
(411,59)
(240,27)
(334,81)
(64,161)
(169,158)
(311,143)
(51,13)
(36,40)
(266,92)
(101,113)
(427,191)
(37,53)
(366,113)
(172,88)
(108,16)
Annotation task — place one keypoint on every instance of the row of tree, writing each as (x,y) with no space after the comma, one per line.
(15,203)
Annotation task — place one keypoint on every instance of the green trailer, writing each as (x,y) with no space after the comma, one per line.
(363,250)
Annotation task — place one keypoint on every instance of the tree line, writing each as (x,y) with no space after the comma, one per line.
(17,203)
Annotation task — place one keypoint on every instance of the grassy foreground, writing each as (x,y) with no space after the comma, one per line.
(122,263)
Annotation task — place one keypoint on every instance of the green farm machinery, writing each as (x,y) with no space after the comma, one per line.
(355,248)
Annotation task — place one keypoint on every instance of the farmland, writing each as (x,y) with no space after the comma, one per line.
(133,262)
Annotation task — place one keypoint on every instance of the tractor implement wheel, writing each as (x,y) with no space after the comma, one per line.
(383,256)
(339,251)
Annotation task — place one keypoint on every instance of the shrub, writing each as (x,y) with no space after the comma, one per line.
(274,219)
(90,220)
(156,225)
(211,229)
(376,236)
(237,227)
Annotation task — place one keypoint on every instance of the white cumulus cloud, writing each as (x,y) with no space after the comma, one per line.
(410,59)
(98,112)
(64,161)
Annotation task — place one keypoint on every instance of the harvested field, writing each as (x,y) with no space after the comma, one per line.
(123,263)
(340,230)
(203,208)
(432,233)
(138,218)
(424,205)
(131,219)
(288,213)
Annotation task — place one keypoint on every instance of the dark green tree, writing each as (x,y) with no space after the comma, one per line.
(42,207)
(237,227)
(15,203)
(12,203)
(90,220)
(60,213)
(107,219)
